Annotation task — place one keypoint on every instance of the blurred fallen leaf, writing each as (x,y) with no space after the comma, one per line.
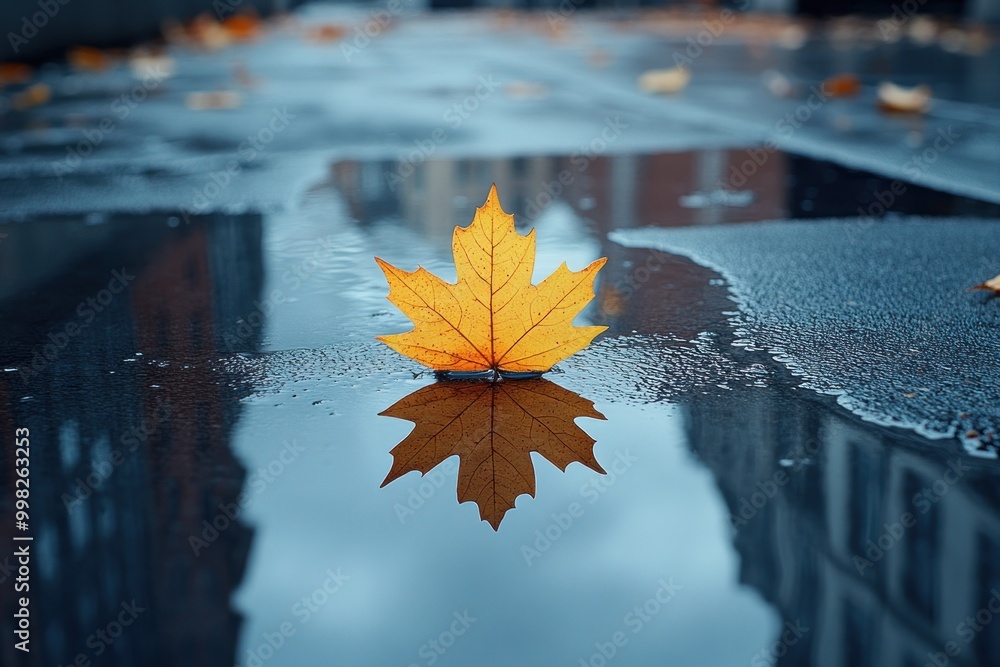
(145,63)
(329,32)
(206,33)
(32,96)
(242,27)
(664,80)
(519,89)
(11,73)
(777,83)
(492,318)
(219,99)
(492,427)
(792,37)
(991,285)
(922,30)
(896,99)
(842,85)
(88,59)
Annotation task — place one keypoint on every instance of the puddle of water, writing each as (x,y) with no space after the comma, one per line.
(210,444)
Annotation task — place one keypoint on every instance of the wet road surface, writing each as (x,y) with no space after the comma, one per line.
(203,391)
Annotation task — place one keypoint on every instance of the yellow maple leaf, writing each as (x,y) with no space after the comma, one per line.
(492,318)
(492,427)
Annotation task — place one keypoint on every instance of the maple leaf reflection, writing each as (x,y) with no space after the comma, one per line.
(493,427)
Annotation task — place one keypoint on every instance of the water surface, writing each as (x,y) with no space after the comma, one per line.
(238,378)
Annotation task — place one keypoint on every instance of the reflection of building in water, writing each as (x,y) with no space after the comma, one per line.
(682,189)
(438,195)
(134,418)
(644,291)
(830,550)
(620,191)
(442,194)
(687,188)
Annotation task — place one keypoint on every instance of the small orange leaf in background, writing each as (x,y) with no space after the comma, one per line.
(492,427)
(14,73)
(89,59)
(242,27)
(492,318)
(203,32)
(32,96)
(329,32)
(842,85)
(992,285)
